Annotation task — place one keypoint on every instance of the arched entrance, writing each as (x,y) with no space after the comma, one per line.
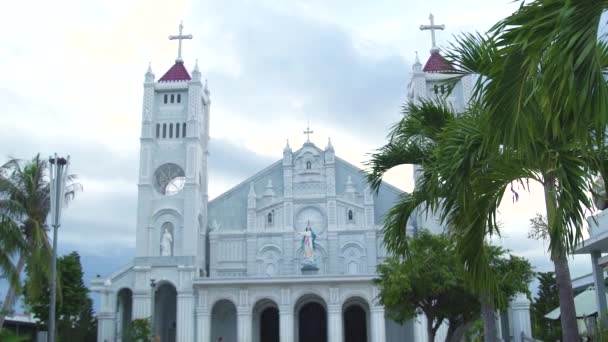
(124,314)
(223,321)
(165,310)
(355,319)
(311,320)
(266,321)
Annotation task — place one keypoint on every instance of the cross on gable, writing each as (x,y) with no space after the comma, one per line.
(179,38)
(308,132)
(432,27)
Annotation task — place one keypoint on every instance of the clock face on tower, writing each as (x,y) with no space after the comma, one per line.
(169,179)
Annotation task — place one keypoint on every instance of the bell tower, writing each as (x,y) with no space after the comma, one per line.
(172,188)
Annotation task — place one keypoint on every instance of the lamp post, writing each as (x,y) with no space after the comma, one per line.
(58,174)
(152,321)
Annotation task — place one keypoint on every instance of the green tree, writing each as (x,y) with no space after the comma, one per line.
(546,300)
(545,89)
(443,292)
(74,310)
(24,207)
(409,286)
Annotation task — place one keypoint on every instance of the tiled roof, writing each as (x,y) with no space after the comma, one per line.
(438,64)
(177,73)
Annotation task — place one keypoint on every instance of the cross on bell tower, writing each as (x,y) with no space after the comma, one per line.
(180,37)
(432,27)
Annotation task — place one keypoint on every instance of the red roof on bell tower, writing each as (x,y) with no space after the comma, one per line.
(177,73)
(437,64)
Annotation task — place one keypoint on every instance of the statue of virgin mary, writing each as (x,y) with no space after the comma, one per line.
(308,243)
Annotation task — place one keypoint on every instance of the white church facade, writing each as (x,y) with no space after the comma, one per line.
(287,255)
(242,267)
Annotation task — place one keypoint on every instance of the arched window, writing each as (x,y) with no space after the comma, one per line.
(350,215)
(164,130)
(179,98)
(308,165)
(436,89)
(269,220)
(157,130)
(177,130)
(184,130)
(172,98)
(170,130)
(442,89)
(166,98)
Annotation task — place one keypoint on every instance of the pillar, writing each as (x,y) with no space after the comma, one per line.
(520,317)
(286,324)
(185,316)
(243,324)
(600,288)
(105,329)
(141,305)
(203,325)
(378,327)
(334,323)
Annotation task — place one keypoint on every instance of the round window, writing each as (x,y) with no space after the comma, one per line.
(169,179)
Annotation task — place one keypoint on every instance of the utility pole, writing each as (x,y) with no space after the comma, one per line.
(58,174)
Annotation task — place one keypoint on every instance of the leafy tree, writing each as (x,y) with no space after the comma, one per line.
(75,310)
(408,286)
(547,299)
(140,330)
(24,207)
(544,88)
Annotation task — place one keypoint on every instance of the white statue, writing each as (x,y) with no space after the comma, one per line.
(165,244)
(308,241)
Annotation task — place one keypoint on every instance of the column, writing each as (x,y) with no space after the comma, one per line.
(185,316)
(141,305)
(600,288)
(105,329)
(334,323)
(203,325)
(519,313)
(377,325)
(286,324)
(243,324)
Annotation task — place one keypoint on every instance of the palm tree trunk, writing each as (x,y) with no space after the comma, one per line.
(9,300)
(562,271)
(566,299)
(488,315)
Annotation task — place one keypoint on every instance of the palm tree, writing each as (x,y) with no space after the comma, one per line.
(24,207)
(509,137)
(546,88)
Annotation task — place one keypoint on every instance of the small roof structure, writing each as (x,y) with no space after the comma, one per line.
(437,64)
(177,73)
(584,304)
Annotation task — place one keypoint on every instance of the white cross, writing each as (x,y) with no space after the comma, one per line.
(180,37)
(308,132)
(432,28)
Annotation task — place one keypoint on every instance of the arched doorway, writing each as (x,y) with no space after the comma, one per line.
(223,321)
(124,314)
(355,320)
(311,319)
(165,312)
(266,321)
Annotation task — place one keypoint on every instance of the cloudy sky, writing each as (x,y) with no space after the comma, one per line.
(72,74)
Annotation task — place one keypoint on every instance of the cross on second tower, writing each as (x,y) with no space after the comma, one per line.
(432,27)
(179,38)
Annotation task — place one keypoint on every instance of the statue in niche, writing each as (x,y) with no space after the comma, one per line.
(308,246)
(166,243)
